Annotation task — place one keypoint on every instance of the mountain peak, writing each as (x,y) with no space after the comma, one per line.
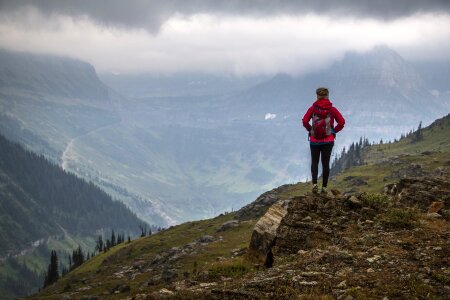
(381,66)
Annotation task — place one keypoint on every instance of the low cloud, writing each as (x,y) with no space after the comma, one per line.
(218,43)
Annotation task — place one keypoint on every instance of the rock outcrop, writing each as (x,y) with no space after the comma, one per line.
(259,207)
(421,192)
(303,222)
(291,225)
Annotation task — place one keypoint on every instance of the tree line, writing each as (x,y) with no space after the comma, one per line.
(78,256)
(354,155)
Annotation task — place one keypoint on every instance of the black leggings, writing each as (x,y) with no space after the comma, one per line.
(316,151)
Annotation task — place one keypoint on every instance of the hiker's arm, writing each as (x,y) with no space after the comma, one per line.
(339,119)
(306,119)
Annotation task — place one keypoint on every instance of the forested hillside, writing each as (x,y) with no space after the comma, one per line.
(39,201)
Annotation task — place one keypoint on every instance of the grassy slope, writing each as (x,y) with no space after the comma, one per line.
(377,172)
(99,269)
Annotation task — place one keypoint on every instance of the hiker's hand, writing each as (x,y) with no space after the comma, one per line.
(309,135)
(334,134)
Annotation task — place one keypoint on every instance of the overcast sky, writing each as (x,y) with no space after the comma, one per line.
(232,36)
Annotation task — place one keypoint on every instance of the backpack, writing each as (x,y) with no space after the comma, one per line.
(321,123)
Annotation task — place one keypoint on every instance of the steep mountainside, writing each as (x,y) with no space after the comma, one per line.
(359,242)
(40,203)
(45,101)
(179,158)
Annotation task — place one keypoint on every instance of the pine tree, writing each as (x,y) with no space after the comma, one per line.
(143,229)
(113,239)
(52,272)
(99,245)
(77,257)
(418,135)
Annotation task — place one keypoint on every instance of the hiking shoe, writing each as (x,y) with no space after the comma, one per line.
(315,189)
(324,190)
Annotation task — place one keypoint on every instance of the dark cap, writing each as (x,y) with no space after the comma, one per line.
(322,92)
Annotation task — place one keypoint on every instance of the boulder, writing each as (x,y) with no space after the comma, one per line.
(205,239)
(423,191)
(227,225)
(168,275)
(259,207)
(265,232)
(290,225)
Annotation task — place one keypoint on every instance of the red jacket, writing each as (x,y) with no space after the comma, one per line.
(335,115)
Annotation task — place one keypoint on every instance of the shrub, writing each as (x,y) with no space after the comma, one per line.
(375,201)
(401,218)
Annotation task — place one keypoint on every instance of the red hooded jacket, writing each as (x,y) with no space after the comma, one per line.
(335,115)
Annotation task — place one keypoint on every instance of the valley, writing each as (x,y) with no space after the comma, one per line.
(387,243)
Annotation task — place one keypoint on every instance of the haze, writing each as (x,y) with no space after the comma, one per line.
(235,37)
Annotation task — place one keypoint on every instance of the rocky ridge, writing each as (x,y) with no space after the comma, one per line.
(371,245)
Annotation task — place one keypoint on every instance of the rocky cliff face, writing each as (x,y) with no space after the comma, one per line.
(372,242)
(298,223)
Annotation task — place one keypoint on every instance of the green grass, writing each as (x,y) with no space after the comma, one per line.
(102,266)
(231,268)
(401,218)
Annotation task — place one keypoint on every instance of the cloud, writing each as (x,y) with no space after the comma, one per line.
(218,44)
(270,116)
(152,14)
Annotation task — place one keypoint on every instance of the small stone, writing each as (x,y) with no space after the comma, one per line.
(354,202)
(373,258)
(335,192)
(433,215)
(435,206)
(342,284)
(370,270)
(123,288)
(227,225)
(205,239)
(308,283)
(306,219)
(166,291)
(168,275)
(207,284)
(302,252)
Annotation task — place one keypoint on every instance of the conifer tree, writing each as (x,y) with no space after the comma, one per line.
(52,272)
(113,239)
(99,245)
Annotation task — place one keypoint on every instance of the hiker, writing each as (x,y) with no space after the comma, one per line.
(321,135)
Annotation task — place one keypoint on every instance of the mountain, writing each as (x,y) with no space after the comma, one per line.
(382,233)
(45,101)
(436,76)
(41,207)
(178,84)
(202,151)
(381,94)
(49,103)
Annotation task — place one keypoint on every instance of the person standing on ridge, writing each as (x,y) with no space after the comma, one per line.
(321,135)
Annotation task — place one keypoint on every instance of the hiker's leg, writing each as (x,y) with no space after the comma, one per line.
(315,154)
(326,154)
